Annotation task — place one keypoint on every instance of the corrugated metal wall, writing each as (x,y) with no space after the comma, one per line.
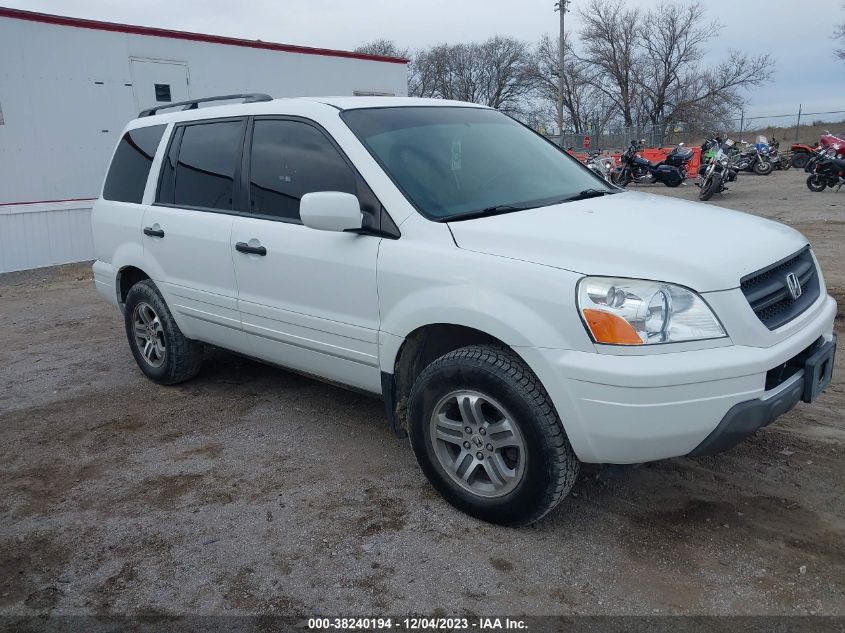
(38,235)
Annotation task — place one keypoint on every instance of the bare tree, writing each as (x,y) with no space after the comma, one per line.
(839,34)
(610,38)
(584,104)
(385,48)
(496,73)
(673,83)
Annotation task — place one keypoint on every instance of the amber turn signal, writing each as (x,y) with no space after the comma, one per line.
(609,328)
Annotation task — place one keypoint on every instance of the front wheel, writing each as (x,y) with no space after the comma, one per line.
(816,183)
(763,168)
(487,437)
(708,188)
(158,345)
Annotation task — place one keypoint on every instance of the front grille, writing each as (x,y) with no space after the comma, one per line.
(768,294)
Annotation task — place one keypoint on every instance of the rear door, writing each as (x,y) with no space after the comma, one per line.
(159,82)
(309,300)
(187,231)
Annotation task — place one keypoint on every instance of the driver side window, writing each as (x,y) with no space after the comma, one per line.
(289,159)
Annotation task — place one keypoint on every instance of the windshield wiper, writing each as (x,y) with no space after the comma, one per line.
(486,212)
(587,193)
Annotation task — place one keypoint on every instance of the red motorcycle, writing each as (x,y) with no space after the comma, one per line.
(833,142)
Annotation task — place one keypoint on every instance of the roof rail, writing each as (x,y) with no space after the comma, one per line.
(193,104)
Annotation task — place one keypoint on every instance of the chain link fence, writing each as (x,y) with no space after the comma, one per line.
(694,133)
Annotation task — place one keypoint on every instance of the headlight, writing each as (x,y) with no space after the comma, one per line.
(640,312)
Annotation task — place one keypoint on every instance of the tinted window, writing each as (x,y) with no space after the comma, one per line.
(205,171)
(130,166)
(459,161)
(288,160)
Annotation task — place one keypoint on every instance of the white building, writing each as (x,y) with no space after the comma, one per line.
(68,86)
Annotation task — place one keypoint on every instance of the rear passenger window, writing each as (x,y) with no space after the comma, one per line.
(289,159)
(205,171)
(130,166)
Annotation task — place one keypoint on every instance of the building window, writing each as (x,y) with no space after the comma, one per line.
(163,93)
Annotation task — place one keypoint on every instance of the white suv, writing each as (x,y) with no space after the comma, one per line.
(517,314)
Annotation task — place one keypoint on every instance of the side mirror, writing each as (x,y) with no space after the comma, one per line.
(330,211)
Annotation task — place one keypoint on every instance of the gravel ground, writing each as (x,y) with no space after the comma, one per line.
(253,490)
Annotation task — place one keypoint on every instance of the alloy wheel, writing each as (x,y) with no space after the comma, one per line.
(149,334)
(478,443)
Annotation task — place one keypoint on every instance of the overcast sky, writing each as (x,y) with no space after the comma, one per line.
(796,32)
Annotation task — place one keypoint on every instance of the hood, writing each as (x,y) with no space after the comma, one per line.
(637,235)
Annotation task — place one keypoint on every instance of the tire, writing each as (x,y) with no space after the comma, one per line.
(785,164)
(158,345)
(763,168)
(673,183)
(816,183)
(800,160)
(708,188)
(493,384)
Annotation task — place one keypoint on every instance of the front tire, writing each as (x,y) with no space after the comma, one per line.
(708,188)
(487,437)
(763,168)
(816,183)
(158,345)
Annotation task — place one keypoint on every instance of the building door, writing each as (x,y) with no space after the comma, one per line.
(156,83)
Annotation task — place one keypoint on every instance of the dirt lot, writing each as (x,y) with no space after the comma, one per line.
(254,490)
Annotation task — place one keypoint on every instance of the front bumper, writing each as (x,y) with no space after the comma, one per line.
(625,409)
(746,418)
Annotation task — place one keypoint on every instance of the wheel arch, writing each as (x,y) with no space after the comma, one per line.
(128,276)
(411,354)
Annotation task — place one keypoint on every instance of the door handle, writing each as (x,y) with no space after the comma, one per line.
(153,232)
(243,247)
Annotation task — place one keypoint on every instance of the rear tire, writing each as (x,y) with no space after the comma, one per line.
(526,467)
(816,183)
(158,345)
(800,160)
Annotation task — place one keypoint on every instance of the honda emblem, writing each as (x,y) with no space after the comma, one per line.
(793,284)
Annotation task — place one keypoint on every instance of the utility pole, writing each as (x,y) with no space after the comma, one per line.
(561,7)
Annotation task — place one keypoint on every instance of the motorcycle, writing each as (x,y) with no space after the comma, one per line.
(635,168)
(755,159)
(717,170)
(826,170)
(778,162)
(834,142)
(601,165)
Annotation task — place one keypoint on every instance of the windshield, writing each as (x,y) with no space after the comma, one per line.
(458,162)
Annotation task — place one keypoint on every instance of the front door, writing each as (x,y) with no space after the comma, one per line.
(187,230)
(158,82)
(307,298)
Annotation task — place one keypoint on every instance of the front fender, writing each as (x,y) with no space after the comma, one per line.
(520,303)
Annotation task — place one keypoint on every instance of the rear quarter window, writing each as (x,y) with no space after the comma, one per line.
(131,164)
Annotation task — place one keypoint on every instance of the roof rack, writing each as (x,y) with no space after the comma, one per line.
(193,104)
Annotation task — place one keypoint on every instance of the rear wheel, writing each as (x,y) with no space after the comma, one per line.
(816,183)
(487,437)
(800,160)
(158,345)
